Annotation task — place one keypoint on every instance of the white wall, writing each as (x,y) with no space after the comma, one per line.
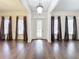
(31,20)
(47,23)
(19,13)
(63,14)
(14,14)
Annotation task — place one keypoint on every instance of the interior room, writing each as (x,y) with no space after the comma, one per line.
(39,29)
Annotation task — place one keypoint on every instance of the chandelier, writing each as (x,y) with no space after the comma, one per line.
(40,8)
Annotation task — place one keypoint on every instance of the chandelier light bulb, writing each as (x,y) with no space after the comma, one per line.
(39,9)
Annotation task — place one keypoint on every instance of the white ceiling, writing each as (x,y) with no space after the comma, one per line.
(10,5)
(34,3)
(62,5)
(67,5)
(58,5)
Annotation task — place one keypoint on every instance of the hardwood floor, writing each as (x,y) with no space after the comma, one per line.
(39,49)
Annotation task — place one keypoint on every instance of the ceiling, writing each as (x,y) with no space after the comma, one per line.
(17,5)
(10,5)
(34,3)
(67,5)
(58,5)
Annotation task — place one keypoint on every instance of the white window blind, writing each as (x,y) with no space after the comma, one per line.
(70,25)
(20,25)
(6,25)
(56,26)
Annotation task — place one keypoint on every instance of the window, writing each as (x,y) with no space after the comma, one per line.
(39,28)
(6,25)
(56,26)
(70,25)
(20,25)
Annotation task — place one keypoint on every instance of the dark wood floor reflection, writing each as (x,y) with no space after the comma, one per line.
(39,49)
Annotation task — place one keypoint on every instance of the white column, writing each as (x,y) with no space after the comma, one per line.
(49,27)
(29,27)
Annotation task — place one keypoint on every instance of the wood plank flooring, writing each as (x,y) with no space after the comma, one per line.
(39,49)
